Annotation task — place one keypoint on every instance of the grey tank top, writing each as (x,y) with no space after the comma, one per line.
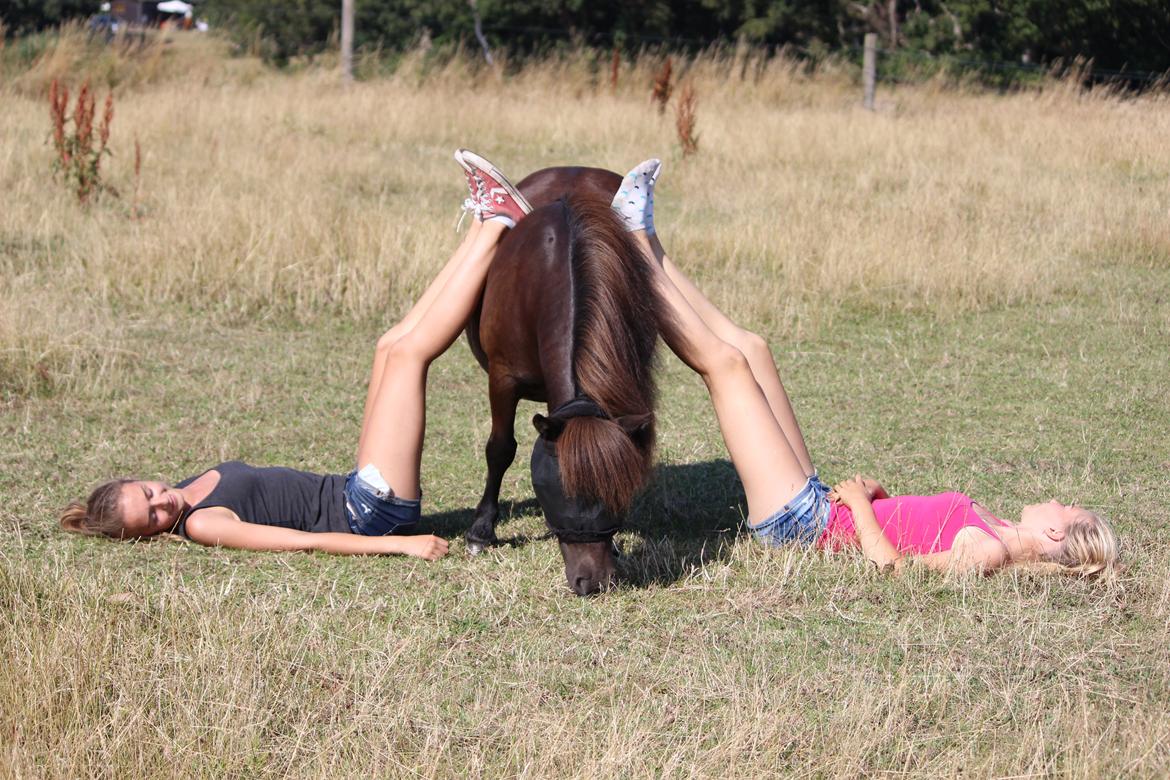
(276,496)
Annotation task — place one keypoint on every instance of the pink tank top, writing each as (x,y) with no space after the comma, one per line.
(913,524)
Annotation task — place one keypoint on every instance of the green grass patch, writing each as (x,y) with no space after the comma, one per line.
(714,655)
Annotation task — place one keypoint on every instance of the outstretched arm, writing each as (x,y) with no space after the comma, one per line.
(220,528)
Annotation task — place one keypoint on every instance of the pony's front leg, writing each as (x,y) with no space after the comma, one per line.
(500,452)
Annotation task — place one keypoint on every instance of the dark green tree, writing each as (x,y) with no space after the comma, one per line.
(1115,34)
(25,16)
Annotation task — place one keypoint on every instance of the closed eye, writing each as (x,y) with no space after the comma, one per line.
(149,495)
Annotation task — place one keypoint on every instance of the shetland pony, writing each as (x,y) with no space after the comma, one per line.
(570,316)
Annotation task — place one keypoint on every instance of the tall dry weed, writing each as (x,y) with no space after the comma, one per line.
(684,120)
(662,89)
(79,154)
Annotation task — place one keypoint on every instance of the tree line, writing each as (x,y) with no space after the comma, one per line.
(1117,35)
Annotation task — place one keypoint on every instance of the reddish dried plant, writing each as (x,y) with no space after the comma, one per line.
(662,87)
(58,108)
(79,157)
(614,66)
(684,120)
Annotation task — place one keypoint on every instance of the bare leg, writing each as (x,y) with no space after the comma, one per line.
(753,347)
(768,467)
(392,436)
(410,320)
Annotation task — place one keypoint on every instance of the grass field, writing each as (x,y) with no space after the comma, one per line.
(963,291)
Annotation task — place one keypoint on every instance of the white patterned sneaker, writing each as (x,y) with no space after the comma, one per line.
(634,201)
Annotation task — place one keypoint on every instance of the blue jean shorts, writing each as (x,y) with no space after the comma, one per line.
(803,519)
(372,508)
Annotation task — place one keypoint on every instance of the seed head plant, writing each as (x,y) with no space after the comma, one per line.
(662,86)
(79,154)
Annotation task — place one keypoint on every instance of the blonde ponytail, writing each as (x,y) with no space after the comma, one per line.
(100,515)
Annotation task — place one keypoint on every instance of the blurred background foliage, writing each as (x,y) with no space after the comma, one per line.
(1130,36)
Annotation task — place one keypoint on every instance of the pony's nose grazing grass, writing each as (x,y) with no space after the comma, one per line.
(589,585)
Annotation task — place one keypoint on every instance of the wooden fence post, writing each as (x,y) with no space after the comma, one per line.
(347,40)
(869,69)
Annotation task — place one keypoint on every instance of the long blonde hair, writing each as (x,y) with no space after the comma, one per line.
(100,515)
(1090,551)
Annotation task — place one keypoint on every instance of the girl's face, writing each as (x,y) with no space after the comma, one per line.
(150,508)
(1051,521)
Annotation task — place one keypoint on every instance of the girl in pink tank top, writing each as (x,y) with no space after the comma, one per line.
(787,502)
(919,525)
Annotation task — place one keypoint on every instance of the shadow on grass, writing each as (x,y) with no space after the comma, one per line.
(454,524)
(687,516)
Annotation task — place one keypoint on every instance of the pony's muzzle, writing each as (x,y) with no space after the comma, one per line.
(589,566)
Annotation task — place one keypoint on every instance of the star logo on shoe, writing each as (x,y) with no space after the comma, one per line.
(500,196)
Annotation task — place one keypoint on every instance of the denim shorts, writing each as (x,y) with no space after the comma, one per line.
(372,508)
(803,519)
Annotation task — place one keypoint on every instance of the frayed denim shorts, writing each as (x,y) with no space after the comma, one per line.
(372,508)
(803,519)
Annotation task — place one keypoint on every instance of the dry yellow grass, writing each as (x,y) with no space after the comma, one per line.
(264,193)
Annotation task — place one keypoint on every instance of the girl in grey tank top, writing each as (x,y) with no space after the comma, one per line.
(237,505)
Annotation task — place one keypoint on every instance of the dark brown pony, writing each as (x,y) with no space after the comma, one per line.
(569,311)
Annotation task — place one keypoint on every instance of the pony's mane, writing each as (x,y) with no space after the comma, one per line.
(615,310)
(616,316)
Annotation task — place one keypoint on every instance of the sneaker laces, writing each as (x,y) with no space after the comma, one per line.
(476,203)
(473,206)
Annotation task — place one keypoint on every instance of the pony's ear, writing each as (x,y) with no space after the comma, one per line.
(639,427)
(548,427)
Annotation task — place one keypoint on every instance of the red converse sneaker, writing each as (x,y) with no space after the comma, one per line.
(499,199)
(474,184)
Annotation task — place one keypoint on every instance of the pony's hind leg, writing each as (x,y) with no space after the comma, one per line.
(500,452)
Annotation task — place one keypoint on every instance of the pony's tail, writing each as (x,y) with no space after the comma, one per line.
(598,458)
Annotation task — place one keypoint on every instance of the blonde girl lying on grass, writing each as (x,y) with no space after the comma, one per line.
(787,502)
(370,511)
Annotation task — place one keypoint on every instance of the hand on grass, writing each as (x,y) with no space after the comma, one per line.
(427,546)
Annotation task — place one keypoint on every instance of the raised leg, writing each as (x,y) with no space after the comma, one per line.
(392,436)
(767,465)
(390,337)
(754,348)
(500,452)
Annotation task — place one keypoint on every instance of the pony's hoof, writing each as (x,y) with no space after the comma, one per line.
(474,548)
